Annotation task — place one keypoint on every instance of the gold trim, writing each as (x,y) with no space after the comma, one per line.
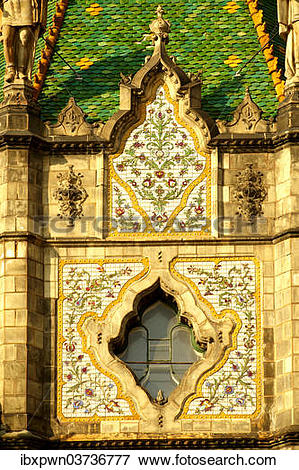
(214,314)
(256,14)
(168,233)
(61,339)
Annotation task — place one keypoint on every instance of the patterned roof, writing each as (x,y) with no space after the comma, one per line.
(100,40)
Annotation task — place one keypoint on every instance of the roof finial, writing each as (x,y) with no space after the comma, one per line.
(160,11)
(160,27)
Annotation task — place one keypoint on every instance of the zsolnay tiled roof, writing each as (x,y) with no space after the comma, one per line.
(100,40)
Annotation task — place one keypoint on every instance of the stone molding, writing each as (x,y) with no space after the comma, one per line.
(71,121)
(247,118)
(286,440)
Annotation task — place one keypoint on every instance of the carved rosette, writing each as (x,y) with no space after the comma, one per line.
(249,192)
(70,195)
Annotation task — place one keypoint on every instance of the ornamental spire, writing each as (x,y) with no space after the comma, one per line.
(160,28)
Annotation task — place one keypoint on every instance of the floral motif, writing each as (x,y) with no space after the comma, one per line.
(156,169)
(85,391)
(124,217)
(233,389)
(193,216)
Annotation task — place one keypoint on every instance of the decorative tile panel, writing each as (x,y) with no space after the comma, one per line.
(90,288)
(160,183)
(228,286)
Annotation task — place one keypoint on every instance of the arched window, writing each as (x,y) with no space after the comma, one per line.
(159,347)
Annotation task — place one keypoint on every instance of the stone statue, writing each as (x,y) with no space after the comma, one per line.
(288,18)
(22,23)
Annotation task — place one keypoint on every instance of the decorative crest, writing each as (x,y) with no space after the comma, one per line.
(247,118)
(71,121)
(70,195)
(160,27)
(250,192)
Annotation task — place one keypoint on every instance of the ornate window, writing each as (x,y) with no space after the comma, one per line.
(160,347)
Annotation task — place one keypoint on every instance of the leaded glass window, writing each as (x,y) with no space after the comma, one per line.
(160,348)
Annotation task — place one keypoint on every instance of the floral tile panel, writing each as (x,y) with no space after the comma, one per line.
(151,181)
(229,286)
(85,391)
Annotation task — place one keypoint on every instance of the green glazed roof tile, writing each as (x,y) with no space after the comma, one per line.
(204,36)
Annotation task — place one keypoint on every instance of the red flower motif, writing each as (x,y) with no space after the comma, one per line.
(159,174)
(177,157)
(70,347)
(142,157)
(249,373)
(84,370)
(69,376)
(172,182)
(119,211)
(89,392)
(100,268)
(137,145)
(80,357)
(198,166)
(147,183)
(198,210)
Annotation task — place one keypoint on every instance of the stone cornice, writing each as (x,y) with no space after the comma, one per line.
(214,441)
(237,143)
(92,241)
(253,143)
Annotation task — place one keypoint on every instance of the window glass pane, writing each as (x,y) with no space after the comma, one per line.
(160,350)
(159,378)
(157,318)
(136,351)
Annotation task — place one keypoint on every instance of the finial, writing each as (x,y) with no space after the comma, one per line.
(160,11)
(160,399)
(160,27)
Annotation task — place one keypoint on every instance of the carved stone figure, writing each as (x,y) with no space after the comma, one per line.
(288,18)
(22,23)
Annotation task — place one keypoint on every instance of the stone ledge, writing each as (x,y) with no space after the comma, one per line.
(26,440)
